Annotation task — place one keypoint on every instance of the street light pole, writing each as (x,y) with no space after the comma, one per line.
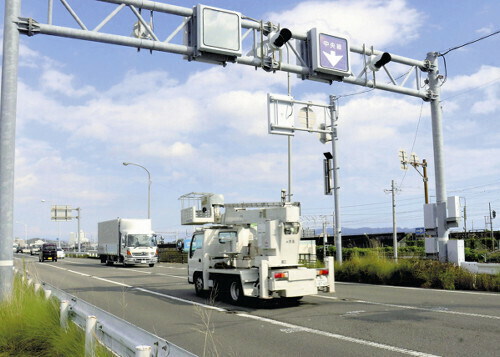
(149,185)
(25,231)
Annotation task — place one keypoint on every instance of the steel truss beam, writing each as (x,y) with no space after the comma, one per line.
(366,78)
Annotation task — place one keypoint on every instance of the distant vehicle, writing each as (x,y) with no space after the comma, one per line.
(34,249)
(60,253)
(19,249)
(127,241)
(48,251)
(14,247)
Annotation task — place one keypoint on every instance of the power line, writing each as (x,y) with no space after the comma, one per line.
(468,43)
(472,89)
(414,140)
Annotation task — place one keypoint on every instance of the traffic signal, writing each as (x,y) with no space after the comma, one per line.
(324,137)
(278,39)
(377,62)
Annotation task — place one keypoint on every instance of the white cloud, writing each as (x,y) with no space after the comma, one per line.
(373,22)
(483,76)
(56,81)
(159,149)
(42,171)
(486,81)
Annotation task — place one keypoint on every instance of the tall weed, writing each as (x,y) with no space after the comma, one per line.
(373,269)
(30,327)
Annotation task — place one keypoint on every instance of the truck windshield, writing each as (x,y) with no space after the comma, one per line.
(141,240)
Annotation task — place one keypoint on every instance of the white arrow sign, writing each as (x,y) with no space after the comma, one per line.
(332,58)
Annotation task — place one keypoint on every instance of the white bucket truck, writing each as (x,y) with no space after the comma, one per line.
(127,241)
(250,250)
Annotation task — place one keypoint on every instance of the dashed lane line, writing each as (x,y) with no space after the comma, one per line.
(408,307)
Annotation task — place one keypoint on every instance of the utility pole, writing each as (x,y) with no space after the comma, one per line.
(465,217)
(325,238)
(394,227)
(493,214)
(413,161)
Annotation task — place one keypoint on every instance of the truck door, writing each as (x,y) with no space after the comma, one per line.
(195,255)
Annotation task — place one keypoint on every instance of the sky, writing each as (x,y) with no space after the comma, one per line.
(84,108)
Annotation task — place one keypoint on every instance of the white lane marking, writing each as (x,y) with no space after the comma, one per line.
(139,271)
(438,309)
(77,272)
(184,268)
(182,300)
(420,289)
(111,281)
(353,313)
(296,328)
(289,327)
(173,276)
(55,266)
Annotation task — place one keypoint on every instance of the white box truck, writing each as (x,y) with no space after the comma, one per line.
(127,241)
(250,250)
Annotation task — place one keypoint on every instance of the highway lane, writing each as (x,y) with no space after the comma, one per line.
(357,320)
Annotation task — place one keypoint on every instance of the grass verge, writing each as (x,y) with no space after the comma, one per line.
(30,327)
(372,269)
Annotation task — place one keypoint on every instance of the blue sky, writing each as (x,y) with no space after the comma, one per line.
(84,108)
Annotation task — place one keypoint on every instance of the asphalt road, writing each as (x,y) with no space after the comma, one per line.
(356,320)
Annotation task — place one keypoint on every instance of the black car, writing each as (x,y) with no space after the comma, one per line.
(48,251)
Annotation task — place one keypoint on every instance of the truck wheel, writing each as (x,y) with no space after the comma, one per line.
(236,291)
(151,265)
(198,284)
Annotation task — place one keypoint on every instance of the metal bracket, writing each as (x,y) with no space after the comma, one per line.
(430,96)
(28,26)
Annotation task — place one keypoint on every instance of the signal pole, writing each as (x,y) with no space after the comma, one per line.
(335,168)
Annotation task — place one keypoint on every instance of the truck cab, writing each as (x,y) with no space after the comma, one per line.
(139,249)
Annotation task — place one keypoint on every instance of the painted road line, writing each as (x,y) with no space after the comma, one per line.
(440,310)
(111,281)
(292,328)
(420,289)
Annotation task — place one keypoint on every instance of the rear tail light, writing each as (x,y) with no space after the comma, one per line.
(323,272)
(282,275)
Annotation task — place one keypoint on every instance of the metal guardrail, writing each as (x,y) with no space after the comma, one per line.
(481,268)
(118,335)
